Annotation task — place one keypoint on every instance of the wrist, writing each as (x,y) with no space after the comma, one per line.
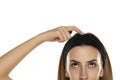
(42,37)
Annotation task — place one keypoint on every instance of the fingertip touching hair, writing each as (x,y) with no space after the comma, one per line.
(86,39)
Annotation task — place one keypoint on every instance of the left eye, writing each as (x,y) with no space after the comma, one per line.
(92,65)
(74,65)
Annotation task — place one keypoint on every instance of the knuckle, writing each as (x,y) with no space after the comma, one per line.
(58,32)
(62,27)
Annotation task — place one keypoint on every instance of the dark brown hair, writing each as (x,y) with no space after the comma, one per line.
(86,39)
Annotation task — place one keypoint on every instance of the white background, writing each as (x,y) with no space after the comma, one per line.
(22,19)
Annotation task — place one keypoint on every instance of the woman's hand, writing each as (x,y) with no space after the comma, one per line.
(60,34)
(14,56)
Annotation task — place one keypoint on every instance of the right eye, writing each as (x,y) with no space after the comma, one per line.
(74,65)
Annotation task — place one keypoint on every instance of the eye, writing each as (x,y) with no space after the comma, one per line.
(92,65)
(74,65)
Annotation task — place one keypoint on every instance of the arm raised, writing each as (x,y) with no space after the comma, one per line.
(14,56)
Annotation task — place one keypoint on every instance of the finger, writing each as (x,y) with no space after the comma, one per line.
(60,37)
(71,28)
(67,34)
(64,34)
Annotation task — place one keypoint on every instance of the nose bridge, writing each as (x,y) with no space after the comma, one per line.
(83,72)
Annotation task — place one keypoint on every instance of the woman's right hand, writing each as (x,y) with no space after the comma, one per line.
(60,34)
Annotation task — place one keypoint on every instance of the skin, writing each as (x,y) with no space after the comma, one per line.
(84,63)
(14,56)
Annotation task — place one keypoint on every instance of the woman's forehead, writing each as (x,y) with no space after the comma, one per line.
(83,53)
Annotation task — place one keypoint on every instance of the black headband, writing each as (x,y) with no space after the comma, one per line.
(86,39)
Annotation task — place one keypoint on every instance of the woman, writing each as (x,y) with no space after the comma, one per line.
(60,34)
(84,58)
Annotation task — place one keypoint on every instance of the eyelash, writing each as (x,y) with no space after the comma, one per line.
(92,65)
(74,65)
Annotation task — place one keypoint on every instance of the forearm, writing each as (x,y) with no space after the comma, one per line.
(13,57)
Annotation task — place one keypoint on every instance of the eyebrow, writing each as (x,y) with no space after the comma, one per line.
(93,60)
(74,61)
